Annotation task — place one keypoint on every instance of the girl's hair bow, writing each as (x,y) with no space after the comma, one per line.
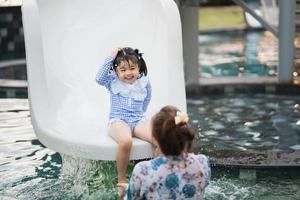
(181,118)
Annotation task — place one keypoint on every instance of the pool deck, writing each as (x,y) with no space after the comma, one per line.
(228,85)
(237,80)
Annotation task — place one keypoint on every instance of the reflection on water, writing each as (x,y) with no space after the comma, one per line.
(262,122)
(259,130)
(239,53)
(28,170)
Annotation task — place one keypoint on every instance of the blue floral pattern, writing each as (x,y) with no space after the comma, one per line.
(156,163)
(170,177)
(172,181)
(188,190)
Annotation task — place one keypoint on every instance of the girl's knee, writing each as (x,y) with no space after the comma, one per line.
(126,143)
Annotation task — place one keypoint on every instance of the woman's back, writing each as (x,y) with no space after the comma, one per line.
(170,177)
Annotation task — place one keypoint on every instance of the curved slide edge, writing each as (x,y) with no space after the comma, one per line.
(44,112)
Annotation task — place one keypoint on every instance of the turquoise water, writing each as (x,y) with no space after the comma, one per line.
(28,170)
(238,54)
(238,122)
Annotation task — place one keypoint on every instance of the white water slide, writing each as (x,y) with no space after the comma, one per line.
(67,40)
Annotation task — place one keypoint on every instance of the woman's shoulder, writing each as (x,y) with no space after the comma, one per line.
(150,165)
(200,158)
(142,167)
(203,161)
(142,170)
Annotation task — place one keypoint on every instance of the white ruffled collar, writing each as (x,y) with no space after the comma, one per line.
(136,90)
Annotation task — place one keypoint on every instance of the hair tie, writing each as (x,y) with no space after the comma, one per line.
(181,118)
(138,54)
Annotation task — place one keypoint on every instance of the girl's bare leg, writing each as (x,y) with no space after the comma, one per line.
(121,133)
(144,132)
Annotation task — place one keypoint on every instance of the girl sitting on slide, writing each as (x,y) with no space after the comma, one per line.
(124,76)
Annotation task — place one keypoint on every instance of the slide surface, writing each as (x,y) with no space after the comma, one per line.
(67,40)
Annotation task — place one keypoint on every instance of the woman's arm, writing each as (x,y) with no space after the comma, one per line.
(148,97)
(206,167)
(104,76)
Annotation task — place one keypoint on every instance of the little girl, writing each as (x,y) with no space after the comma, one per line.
(124,76)
(176,173)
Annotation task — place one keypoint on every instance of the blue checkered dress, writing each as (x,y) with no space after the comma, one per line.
(124,108)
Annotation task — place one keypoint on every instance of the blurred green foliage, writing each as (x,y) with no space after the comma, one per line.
(221,17)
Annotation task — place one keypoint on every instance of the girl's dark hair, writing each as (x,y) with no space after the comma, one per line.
(172,139)
(126,54)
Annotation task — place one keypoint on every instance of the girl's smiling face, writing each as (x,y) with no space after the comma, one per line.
(128,72)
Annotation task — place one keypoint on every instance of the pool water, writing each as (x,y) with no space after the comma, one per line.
(253,53)
(28,170)
(255,129)
(245,122)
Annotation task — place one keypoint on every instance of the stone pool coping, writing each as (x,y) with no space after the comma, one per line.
(229,85)
(253,158)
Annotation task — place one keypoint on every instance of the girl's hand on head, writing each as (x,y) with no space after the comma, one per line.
(115,51)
